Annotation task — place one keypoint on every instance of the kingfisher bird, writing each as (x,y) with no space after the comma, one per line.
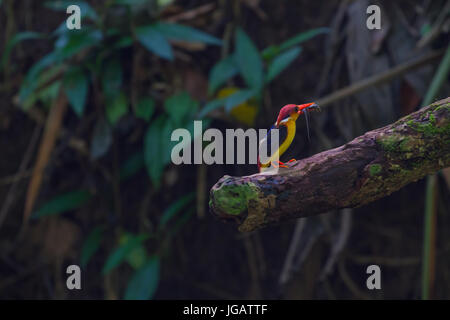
(286,119)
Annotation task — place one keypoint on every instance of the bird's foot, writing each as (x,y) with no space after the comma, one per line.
(278,164)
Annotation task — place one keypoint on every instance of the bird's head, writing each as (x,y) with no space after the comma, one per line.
(292,111)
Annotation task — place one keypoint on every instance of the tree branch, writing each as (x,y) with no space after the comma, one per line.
(367,168)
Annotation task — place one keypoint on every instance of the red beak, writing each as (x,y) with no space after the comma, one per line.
(307,106)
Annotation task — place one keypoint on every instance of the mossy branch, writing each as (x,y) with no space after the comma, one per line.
(367,168)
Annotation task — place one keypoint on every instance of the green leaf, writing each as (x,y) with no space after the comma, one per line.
(270,52)
(102,139)
(117,108)
(426,27)
(238,97)
(132,165)
(123,42)
(249,60)
(281,62)
(91,245)
(155,143)
(302,37)
(137,257)
(120,253)
(179,107)
(30,84)
(154,41)
(61,30)
(49,93)
(77,40)
(175,208)
(112,77)
(180,32)
(46,94)
(229,102)
(144,282)
(46,61)
(145,108)
(61,5)
(163,3)
(27,35)
(211,105)
(63,203)
(221,72)
(72,43)
(76,87)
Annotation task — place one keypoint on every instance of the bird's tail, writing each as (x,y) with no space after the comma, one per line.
(266,140)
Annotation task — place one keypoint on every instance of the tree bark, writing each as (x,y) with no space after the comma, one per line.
(365,169)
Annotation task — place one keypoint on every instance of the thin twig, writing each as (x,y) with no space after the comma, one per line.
(15,177)
(51,132)
(75,143)
(191,14)
(339,243)
(379,78)
(293,249)
(385,261)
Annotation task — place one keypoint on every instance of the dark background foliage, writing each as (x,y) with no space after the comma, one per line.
(85,171)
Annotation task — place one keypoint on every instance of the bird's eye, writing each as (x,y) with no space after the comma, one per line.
(296,109)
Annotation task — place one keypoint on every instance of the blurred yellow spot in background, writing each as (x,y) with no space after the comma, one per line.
(245,112)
